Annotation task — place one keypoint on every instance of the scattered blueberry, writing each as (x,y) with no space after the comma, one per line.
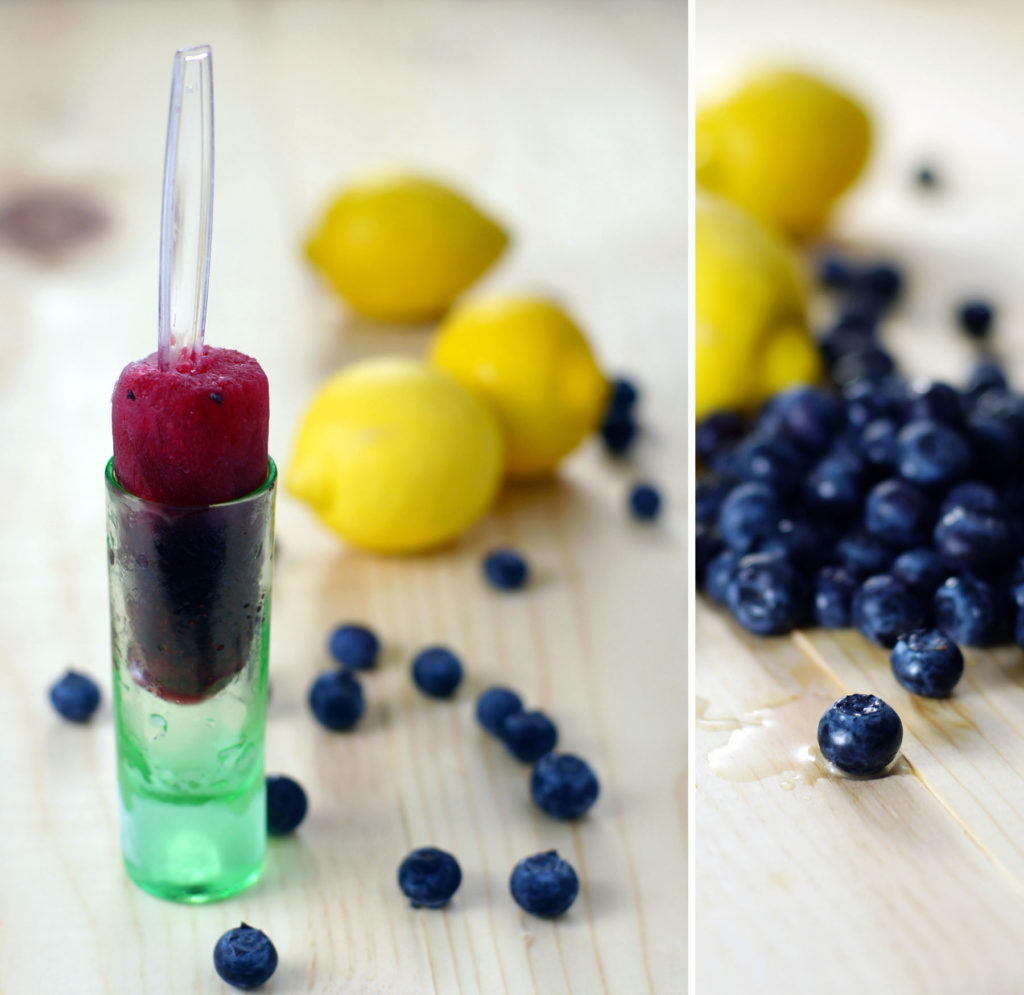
(644,502)
(833,595)
(336,698)
(975,317)
(618,432)
(926,177)
(75,696)
(860,734)
(872,363)
(494,706)
(286,804)
(623,394)
(544,885)
(244,957)
(973,612)
(767,595)
(355,646)
(563,785)
(884,608)
(505,569)
(437,671)
(429,877)
(835,273)
(927,662)
(529,735)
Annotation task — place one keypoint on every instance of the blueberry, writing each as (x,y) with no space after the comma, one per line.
(563,785)
(494,706)
(926,177)
(1018,629)
(833,594)
(776,462)
(932,454)
(975,318)
(974,495)
(833,487)
(927,662)
(718,431)
(244,957)
(623,394)
(798,541)
(708,494)
(429,877)
(767,595)
(987,375)
(860,734)
(718,575)
(336,698)
(286,804)
(544,885)
(882,281)
(811,418)
(749,512)
(972,612)
(937,401)
(841,340)
(835,273)
(505,569)
(973,541)
(867,401)
(884,608)
(75,696)
(528,735)
(864,554)
(644,502)
(870,364)
(618,432)
(879,445)
(436,671)
(859,313)
(995,446)
(922,569)
(355,646)
(898,513)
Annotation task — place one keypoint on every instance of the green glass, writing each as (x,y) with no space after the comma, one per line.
(190,634)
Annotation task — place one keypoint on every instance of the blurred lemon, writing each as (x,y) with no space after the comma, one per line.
(396,456)
(402,247)
(751,337)
(528,358)
(785,146)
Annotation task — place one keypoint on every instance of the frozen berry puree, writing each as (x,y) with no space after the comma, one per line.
(194,434)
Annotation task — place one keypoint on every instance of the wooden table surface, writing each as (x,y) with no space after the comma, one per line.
(913,883)
(567,120)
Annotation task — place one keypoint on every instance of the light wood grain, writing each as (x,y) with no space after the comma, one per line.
(568,121)
(912,883)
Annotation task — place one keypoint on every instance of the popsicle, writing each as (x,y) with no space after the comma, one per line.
(190,426)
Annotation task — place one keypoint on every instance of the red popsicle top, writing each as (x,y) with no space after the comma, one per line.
(195,434)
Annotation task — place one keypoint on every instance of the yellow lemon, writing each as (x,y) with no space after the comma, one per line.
(396,456)
(751,336)
(402,248)
(528,358)
(785,145)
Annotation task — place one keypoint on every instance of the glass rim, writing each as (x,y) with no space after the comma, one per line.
(115,487)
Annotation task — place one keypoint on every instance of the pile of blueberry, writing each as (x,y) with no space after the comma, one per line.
(890,505)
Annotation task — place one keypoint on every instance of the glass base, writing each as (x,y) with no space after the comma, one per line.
(195,850)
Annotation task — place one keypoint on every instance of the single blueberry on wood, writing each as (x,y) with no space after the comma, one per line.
(355,646)
(505,569)
(860,734)
(529,735)
(244,957)
(544,885)
(429,877)
(286,804)
(494,706)
(563,785)
(336,699)
(927,662)
(884,608)
(437,671)
(644,502)
(75,696)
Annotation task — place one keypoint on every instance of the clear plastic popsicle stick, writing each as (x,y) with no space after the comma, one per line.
(187,209)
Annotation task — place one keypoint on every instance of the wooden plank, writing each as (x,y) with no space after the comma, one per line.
(569,121)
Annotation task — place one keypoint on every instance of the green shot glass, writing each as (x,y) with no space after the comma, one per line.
(190,633)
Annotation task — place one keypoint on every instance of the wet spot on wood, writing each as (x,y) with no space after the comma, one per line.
(48,223)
